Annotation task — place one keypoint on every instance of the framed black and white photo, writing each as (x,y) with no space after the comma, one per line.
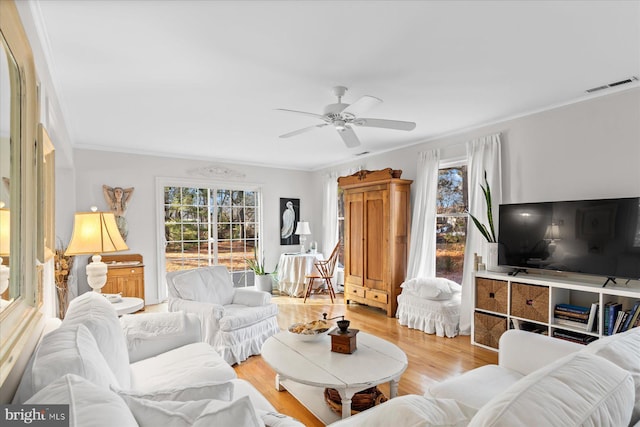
(289,217)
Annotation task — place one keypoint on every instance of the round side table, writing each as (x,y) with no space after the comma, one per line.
(128,305)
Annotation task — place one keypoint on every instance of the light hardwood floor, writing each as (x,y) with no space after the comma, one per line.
(431,359)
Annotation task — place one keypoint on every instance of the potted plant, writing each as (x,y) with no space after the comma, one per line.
(262,277)
(489,232)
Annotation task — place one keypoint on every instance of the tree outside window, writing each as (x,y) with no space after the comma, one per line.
(207,226)
(451,222)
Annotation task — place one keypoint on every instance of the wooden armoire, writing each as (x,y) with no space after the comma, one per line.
(376,237)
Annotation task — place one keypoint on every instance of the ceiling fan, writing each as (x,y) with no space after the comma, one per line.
(344,116)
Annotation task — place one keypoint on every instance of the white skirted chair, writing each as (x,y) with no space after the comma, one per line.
(430,304)
(235,321)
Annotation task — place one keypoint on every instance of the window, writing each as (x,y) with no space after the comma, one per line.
(451,222)
(208,226)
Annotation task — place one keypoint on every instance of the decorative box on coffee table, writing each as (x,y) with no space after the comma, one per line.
(344,342)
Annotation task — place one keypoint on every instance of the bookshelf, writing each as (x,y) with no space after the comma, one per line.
(528,301)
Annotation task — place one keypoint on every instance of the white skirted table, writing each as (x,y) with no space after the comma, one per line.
(292,268)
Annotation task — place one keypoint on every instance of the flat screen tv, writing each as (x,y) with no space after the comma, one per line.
(598,237)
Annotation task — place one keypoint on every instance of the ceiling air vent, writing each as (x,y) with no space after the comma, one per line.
(363,153)
(614,84)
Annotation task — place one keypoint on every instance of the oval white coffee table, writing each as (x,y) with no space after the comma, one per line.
(375,361)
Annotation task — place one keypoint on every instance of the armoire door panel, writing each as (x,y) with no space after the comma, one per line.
(375,247)
(354,238)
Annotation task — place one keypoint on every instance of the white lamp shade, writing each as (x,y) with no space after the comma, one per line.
(95,232)
(303,228)
(5,232)
(552,232)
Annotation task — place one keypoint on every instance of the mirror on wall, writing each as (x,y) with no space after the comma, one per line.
(10,176)
(20,169)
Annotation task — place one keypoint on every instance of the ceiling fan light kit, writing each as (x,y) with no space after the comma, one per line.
(344,116)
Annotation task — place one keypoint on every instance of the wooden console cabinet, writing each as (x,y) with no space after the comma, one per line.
(125,275)
(376,237)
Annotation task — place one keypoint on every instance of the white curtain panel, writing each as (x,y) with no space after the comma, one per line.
(422,250)
(483,155)
(330,213)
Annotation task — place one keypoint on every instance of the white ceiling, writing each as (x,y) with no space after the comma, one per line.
(202,79)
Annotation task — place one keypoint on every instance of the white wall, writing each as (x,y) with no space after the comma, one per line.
(589,149)
(95,168)
(585,150)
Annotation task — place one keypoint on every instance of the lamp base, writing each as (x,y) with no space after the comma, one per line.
(302,240)
(97,274)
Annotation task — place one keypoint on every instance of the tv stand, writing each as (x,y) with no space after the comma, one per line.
(610,279)
(528,302)
(515,272)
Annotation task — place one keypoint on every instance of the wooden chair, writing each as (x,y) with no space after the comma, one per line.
(325,268)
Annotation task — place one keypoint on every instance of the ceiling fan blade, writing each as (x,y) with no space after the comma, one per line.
(303,130)
(361,105)
(382,123)
(349,137)
(317,116)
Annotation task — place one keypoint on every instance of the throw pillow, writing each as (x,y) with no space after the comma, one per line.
(209,390)
(98,315)
(70,350)
(411,410)
(198,413)
(433,288)
(239,413)
(623,350)
(89,405)
(152,413)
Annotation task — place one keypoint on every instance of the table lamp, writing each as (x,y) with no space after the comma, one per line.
(303,231)
(5,240)
(94,233)
(552,235)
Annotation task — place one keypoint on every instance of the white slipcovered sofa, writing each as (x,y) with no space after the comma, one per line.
(539,381)
(143,369)
(235,321)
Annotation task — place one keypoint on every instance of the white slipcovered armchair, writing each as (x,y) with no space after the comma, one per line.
(430,304)
(235,321)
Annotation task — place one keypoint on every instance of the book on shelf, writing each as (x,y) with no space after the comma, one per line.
(571,315)
(574,337)
(578,309)
(620,318)
(605,317)
(614,309)
(578,325)
(584,320)
(592,322)
(632,318)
